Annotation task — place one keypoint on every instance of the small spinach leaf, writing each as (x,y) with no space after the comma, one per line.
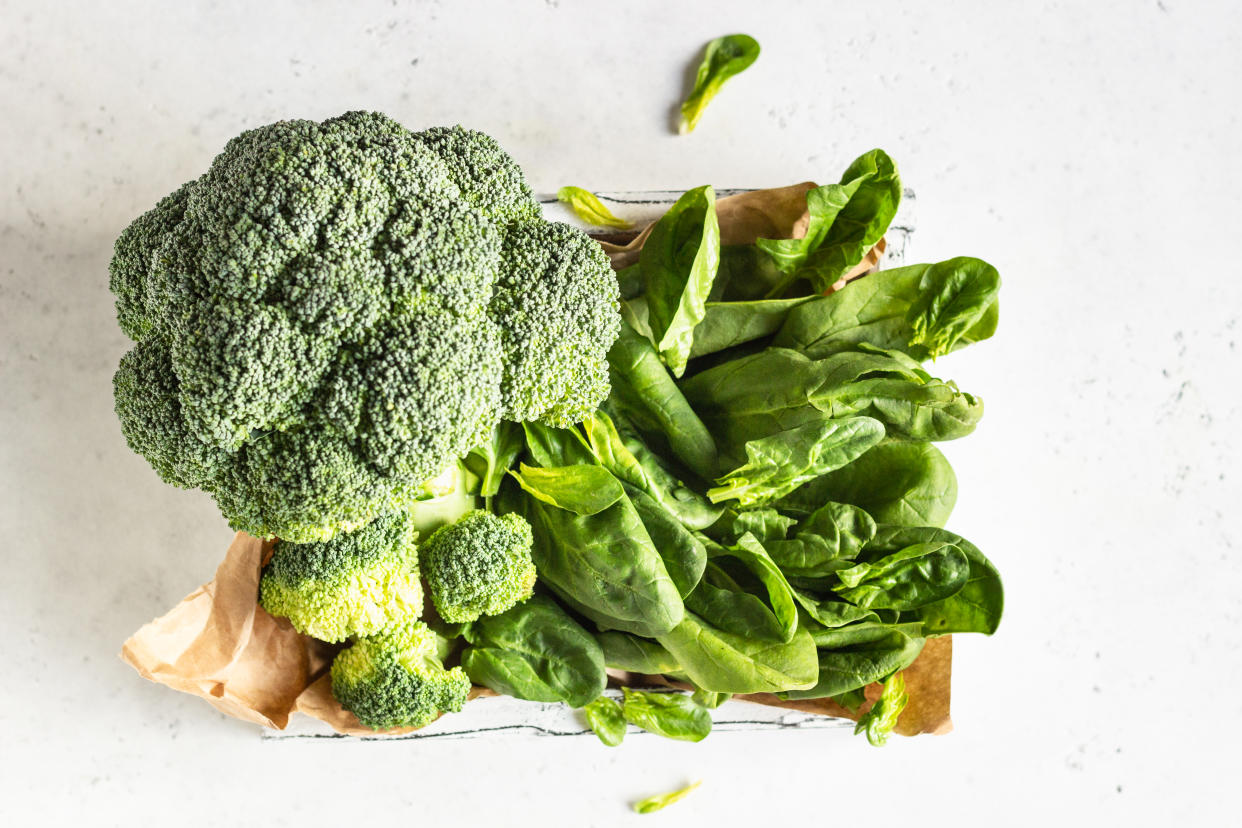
(723,58)
(881,719)
(660,801)
(913,577)
(672,715)
(587,206)
(605,718)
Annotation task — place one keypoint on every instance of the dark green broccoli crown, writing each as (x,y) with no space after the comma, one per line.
(480,565)
(315,322)
(397,679)
(359,583)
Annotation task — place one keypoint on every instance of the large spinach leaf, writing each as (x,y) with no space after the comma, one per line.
(913,577)
(823,542)
(722,662)
(856,655)
(684,554)
(623,651)
(679,262)
(726,324)
(535,651)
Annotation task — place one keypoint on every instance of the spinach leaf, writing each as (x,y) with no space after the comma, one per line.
(913,577)
(924,310)
(735,610)
(587,206)
(684,555)
(604,565)
(832,612)
(901,483)
(756,560)
(746,274)
(781,462)
(630,282)
(623,651)
(881,719)
(535,651)
(854,656)
(709,699)
(722,662)
(726,324)
(660,801)
(764,524)
(976,607)
(550,446)
(724,57)
(605,718)
(672,715)
(823,542)
(845,221)
(583,490)
(679,262)
(490,461)
(645,394)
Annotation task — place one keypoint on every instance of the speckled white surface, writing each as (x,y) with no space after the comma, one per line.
(1091,150)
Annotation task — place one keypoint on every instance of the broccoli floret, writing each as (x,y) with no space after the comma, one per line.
(396,679)
(334,312)
(480,565)
(359,583)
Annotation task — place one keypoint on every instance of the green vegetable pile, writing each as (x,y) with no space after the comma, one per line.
(489,459)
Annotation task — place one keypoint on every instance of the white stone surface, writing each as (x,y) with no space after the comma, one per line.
(1091,150)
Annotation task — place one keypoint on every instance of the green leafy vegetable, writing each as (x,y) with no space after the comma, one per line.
(673,715)
(605,718)
(722,662)
(583,490)
(624,651)
(587,206)
(823,542)
(881,719)
(655,803)
(679,262)
(856,655)
(913,577)
(724,57)
(490,461)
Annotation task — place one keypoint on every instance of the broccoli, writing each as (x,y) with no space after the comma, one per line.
(334,312)
(480,565)
(396,679)
(358,583)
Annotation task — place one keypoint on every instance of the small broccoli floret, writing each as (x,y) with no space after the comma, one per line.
(358,583)
(396,679)
(480,565)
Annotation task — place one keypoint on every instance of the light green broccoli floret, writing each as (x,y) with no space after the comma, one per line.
(396,679)
(334,312)
(480,565)
(359,583)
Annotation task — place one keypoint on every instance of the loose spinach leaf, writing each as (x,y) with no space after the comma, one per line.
(535,651)
(781,462)
(913,577)
(587,206)
(881,719)
(924,310)
(724,57)
(726,324)
(605,718)
(490,461)
(976,607)
(684,555)
(721,662)
(856,655)
(583,490)
(672,715)
(604,565)
(646,395)
(896,482)
(824,541)
(656,803)
(623,651)
(679,262)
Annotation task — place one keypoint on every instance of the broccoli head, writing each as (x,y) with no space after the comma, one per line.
(396,679)
(480,565)
(359,583)
(335,311)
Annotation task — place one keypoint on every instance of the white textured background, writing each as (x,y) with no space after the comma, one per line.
(1091,150)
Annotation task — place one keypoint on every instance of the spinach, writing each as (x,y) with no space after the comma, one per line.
(735,610)
(723,58)
(976,607)
(823,542)
(845,221)
(671,715)
(535,651)
(587,206)
(660,801)
(896,482)
(764,524)
(746,274)
(913,577)
(881,719)
(856,655)
(490,461)
(679,262)
(924,310)
(684,555)
(623,651)
(722,662)
(583,490)
(832,612)
(781,462)
(550,446)
(727,324)
(605,718)
(645,394)
(709,699)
